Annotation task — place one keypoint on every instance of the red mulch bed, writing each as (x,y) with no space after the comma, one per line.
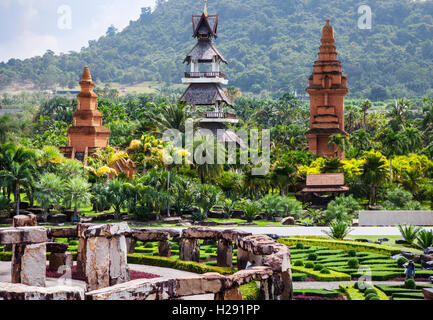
(134,275)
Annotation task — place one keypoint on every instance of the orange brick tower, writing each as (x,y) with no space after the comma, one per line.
(87,132)
(327,88)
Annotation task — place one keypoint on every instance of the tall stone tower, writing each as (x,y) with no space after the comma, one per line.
(87,132)
(327,89)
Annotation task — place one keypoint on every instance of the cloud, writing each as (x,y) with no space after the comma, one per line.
(28,44)
(30,26)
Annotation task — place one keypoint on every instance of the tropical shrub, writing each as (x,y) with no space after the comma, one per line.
(325,271)
(318,267)
(250,209)
(338,230)
(206,196)
(400,199)
(309,265)
(409,232)
(298,263)
(299,245)
(424,239)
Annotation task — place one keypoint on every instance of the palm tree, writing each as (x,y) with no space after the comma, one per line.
(399,110)
(169,116)
(18,169)
(7,126)
(374,172)
(393,143)
(365,106)
(49,191)
(77,192)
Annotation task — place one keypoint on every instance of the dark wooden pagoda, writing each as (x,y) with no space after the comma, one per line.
(204,80)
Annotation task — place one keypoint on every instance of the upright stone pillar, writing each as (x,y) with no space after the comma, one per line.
(164,248)
(82,245)
(189,250)
(130,244)
(106,255)
(29,254)
(225,253)
(242,258)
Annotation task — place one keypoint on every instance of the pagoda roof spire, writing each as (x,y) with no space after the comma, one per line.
(86,76)
(205,8)
(328,34)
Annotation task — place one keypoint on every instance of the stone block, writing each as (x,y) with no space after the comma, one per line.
(25,221)
(33,265)
(164,248)
(201,233)
(119,270)
(23,235)
(62,232)
(141,289)
(189,250)
(225,253)
(58,260)
(97,263)
(150,235)
(230,294)
(107,230)
(12,291)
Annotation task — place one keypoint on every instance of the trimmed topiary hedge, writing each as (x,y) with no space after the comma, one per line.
(342,244)
(317,275)
(6,256)
(354,294)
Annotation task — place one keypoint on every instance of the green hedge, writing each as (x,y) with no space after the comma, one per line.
(250,291)
(315,293)
(316,275)
(342,244)
(354,294)
(6,256)
(299,277)
(164,262)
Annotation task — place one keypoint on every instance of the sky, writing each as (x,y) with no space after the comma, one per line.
(31,27)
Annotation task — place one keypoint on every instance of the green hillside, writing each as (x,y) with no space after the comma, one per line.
(270,45)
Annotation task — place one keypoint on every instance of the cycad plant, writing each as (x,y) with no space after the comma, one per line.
(338,230)
(409,232)
(424,239)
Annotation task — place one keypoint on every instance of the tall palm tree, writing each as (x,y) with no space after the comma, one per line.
(393,144)
(169,116)
(365,106)
(77,191)
(17,169)
(374,172)
(49,191)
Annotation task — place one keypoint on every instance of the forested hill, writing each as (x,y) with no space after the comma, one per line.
(270,45)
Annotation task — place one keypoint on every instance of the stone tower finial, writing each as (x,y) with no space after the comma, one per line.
(86,75)
(328,33)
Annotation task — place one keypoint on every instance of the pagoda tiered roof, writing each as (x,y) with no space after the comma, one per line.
(205,25)
(204,51)
(205,94)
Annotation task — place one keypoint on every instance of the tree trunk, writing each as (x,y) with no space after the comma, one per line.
(45,215)
(168,187)
(17,198)
(390,168)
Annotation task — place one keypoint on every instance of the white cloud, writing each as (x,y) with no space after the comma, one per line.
(31,37)
(28,44)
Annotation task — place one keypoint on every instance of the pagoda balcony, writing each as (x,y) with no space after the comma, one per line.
(212,74)
(205,77)
(219,115)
